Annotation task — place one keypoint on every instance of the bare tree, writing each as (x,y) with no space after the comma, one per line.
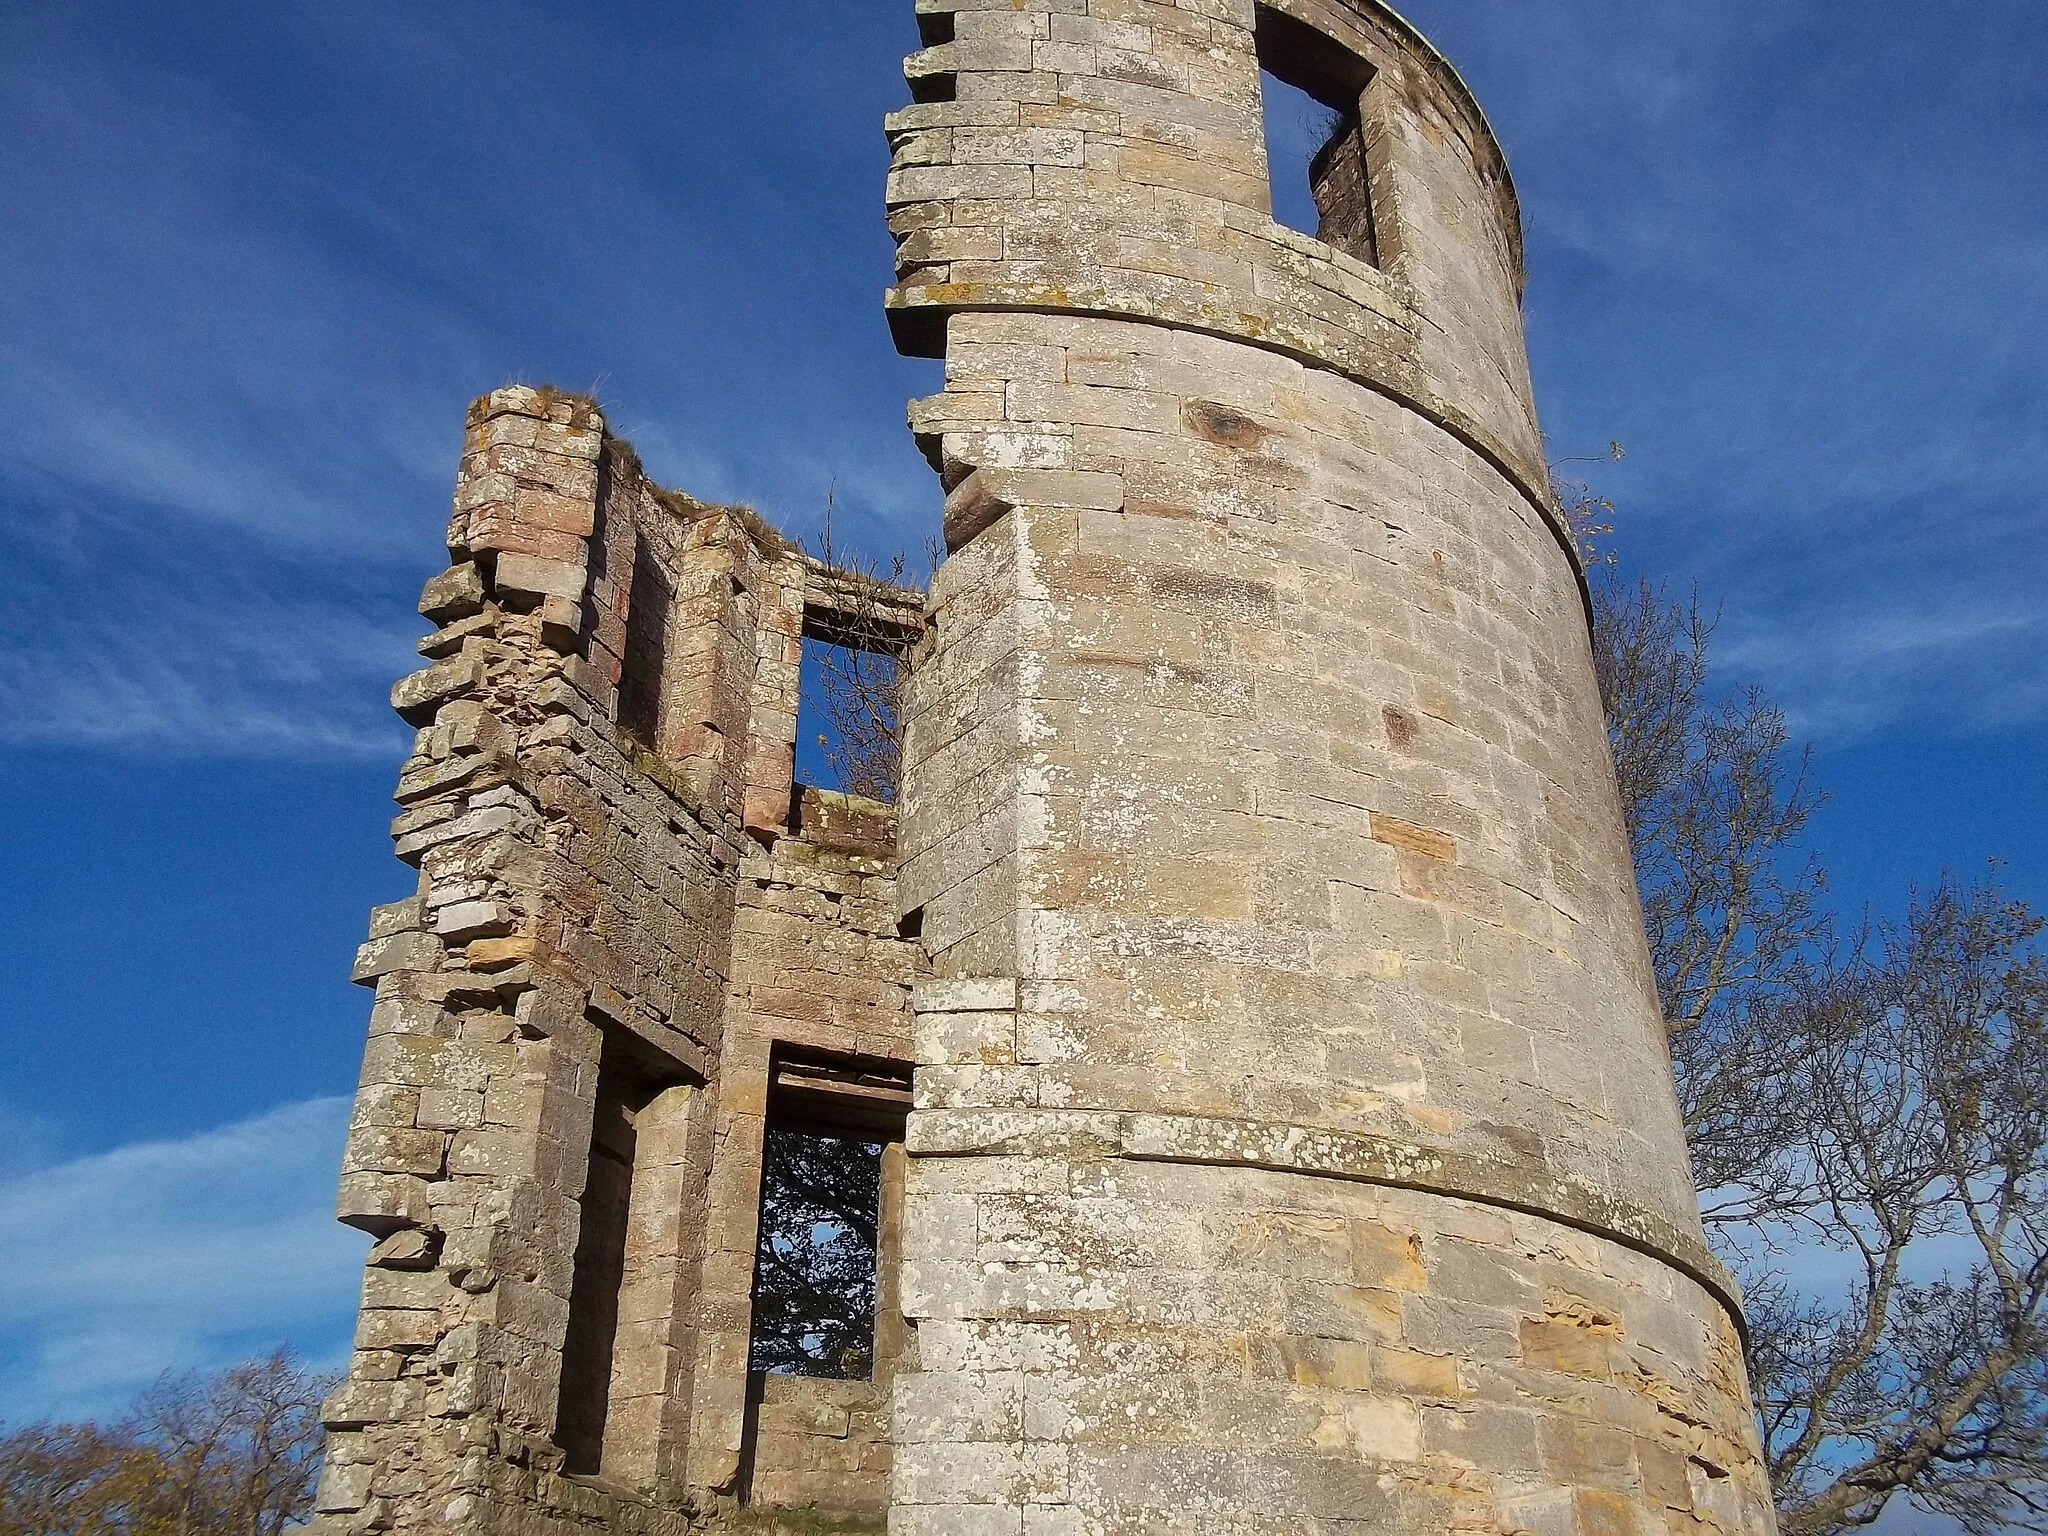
(70,1480)
(1868,1114)
(1716,800)
(232,1454)
(814,1263)
(1922,1161)
(238,1449)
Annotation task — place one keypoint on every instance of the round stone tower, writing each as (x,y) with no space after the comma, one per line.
(1295,1146)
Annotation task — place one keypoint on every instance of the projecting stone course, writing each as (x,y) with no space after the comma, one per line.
(1247,987)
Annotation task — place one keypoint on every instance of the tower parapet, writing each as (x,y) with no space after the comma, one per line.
(1063,163)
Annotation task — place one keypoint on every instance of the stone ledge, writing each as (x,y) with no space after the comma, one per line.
(1350,1155)
(1255,321)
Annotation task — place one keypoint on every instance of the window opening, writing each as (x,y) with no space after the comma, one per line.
(613,1372)
(599,1274)
(1298,129)
(860,620)
(641,669)
(818,1253)
(849,720)
(1310,89)
(814,1264)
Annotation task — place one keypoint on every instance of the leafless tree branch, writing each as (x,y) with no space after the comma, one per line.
(858,667)
(1878,1100)
(233,1454)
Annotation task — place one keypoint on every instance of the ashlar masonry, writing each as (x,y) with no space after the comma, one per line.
(1242,1010)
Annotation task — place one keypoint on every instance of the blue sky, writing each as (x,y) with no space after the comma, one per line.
(258,255)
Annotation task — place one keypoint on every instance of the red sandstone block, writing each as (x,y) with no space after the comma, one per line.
(554,510)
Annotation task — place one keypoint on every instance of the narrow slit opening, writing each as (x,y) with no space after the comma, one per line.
(621,1333)
(599,1274)
(642,669)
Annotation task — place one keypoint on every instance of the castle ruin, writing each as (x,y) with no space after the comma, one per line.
(1241,1019)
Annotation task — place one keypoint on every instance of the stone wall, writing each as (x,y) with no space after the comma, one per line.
(1249,985)
(575,1005)
(1107,157)
(825,1444)
(819,972)
(564,891)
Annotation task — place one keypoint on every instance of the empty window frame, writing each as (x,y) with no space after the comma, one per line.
(825,1210)
(849,721)
(1311,90)
(849,712)
(642,670)
(614,1357)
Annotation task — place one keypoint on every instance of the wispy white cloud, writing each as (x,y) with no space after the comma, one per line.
(173,1255)
(224,377)
(236,353)
(121,638)
(27,1138)
(1845,672)
(1781,260)
(129,698)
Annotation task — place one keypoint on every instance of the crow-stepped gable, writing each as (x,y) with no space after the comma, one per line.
(1224,1091)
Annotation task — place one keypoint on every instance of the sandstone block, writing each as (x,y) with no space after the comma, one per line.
(397,917)
(1496,1439)
(984,1039)
(389,1149)
(416,697)
(533,578)
(379,1203)
(964,994)
(496,954)
(401,951)
(344,1487)
(463,920)
(406,1330)
(1423,840)
(409,1249)
(490,1152)
(561,622)
(456,593)
(445,1109)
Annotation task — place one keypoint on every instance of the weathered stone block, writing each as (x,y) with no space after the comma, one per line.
(964,995)
(379,1202)
(402,951)
(388,1149)
(456,593)
(532,577)
(396,917)
(418,696)
(344,1486)
(464,920)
